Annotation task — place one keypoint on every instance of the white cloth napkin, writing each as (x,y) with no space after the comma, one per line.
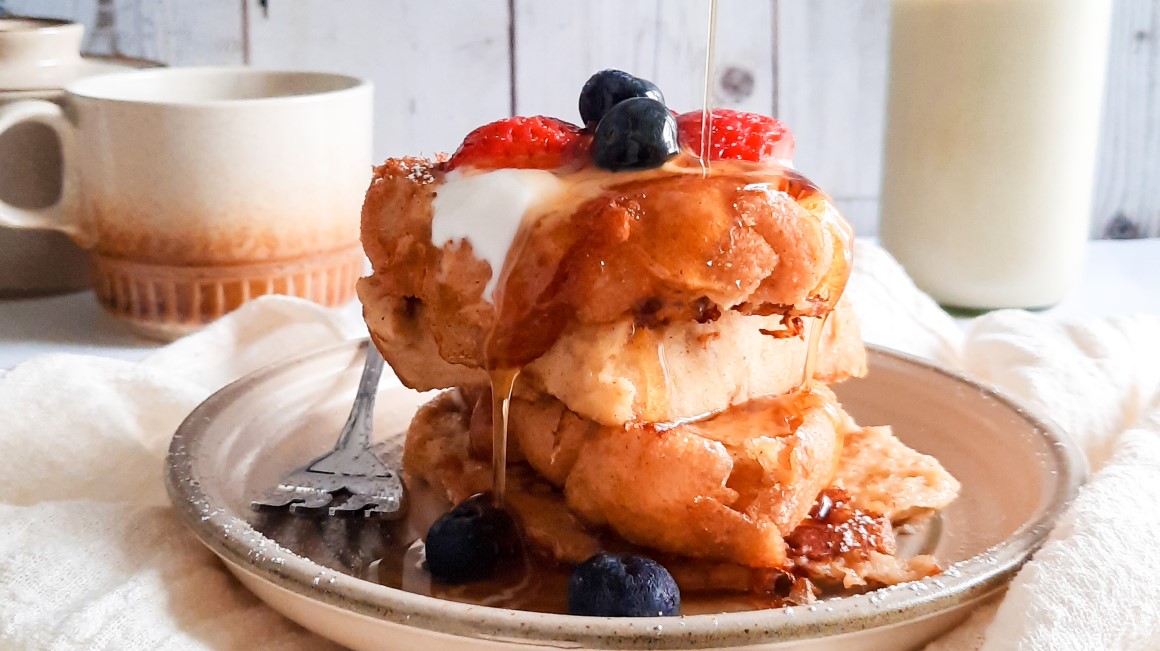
(91,556)
(1095,584)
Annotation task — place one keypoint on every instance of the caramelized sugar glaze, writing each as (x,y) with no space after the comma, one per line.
(658,246)
(833,543)
(671,247)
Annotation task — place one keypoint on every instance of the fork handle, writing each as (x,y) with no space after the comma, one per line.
(356,434)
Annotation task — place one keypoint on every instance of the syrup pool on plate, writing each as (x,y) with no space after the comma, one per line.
(391,553)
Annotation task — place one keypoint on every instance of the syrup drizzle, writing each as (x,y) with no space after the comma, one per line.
(706,108)
(502,382)
(814,327)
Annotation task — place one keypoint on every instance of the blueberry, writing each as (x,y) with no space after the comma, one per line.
(608,585)
(608,88)
(466,543)
(637,134)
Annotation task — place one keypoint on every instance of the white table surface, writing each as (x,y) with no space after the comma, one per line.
(1121,278)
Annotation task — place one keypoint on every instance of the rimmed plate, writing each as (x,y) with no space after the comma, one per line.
(1017,472)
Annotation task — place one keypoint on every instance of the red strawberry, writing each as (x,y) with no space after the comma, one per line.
(737,136)
(535,142)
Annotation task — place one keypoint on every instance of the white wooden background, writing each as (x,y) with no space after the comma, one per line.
(442,67)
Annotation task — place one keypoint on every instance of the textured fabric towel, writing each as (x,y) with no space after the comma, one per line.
(91,556)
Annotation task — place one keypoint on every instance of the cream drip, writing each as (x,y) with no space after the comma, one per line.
(487,209)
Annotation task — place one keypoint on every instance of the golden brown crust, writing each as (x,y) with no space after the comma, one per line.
(618,372)
(440,453)
(408,269)
(668,249)
(655,249)
(885,476)
(728,488)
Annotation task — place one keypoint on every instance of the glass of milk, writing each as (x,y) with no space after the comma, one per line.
(992,128)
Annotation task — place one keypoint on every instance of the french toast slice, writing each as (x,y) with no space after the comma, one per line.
(621,372)
(663,249)
(441,452)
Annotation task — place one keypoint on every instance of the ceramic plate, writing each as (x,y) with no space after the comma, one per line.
(1017,473)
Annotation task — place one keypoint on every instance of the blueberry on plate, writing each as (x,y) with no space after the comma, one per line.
(466,543)
(636,134)
(608,88)
(611,585)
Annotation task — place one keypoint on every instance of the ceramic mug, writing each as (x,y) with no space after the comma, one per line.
(38,53)
(37,57)
(199,188)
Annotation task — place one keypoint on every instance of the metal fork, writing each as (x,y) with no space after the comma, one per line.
(351,467)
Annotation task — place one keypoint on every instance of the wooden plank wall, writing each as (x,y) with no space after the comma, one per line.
(442,67)
(1128,188)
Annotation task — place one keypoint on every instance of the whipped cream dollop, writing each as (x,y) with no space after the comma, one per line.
(487,209)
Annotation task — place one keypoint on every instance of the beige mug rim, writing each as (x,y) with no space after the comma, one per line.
(90,88)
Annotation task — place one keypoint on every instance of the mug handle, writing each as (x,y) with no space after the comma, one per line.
(61,216)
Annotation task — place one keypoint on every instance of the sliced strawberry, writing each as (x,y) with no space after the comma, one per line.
(535,143)
(737,136)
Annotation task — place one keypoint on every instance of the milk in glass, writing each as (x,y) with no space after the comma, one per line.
(992,129)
